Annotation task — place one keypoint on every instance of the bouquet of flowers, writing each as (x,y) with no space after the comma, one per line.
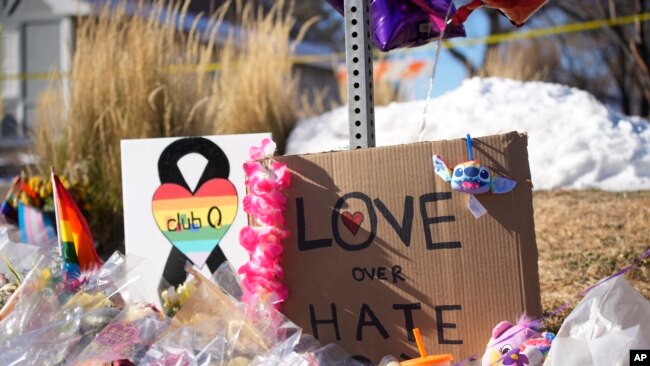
(16,261)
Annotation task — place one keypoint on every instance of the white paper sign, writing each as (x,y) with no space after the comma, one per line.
(187,191)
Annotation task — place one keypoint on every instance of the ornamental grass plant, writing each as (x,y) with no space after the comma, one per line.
(137,74)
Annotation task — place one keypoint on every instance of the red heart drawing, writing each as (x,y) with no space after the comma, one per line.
(352,221)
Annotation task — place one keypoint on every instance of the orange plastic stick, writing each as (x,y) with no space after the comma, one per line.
(418,340)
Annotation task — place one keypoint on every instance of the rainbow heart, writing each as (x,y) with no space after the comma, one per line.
(195,223)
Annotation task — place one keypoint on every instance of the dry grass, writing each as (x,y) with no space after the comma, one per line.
(139,76)
(385,91)
(257,79)
(584,236)
(524,60)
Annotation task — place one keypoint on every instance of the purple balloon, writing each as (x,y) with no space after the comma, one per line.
(408,23)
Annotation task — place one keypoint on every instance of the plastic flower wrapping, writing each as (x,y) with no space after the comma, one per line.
(103,319)
(15,263)
(215,327)
(61,305)
(51,320)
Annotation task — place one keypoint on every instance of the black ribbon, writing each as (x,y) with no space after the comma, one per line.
(169,172)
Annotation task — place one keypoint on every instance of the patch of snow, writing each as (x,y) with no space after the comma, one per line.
(574,142)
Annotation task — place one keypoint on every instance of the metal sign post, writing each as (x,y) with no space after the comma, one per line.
(358,60)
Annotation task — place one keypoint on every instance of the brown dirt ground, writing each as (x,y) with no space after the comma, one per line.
(584,236)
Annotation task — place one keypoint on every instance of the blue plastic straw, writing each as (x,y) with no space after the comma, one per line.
(469,147)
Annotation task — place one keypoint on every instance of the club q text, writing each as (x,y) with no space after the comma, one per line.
(184,222)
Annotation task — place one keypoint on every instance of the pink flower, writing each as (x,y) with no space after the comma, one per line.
(255,171)
(273,291)
(278,293)
(266,209)
(265,151)
(270,249)
(266,204)
(262,267)
(267,238)
(267,263)
(262,187)
(248,237)
(254,273)
(283,178)
(262,180)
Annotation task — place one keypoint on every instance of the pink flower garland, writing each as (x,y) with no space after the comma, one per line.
(266,203)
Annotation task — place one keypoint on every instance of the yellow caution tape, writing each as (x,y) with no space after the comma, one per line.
(458,43)
(549,31)
(33,76)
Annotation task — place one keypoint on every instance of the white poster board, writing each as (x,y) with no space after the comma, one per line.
(175,190)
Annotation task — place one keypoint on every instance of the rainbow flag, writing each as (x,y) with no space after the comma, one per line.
(75,241)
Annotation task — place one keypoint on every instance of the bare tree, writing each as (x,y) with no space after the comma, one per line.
(613,63)
(624,49)
(496,24)
(328,29)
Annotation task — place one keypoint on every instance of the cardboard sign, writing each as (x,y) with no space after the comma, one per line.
(379,244)
(186,192)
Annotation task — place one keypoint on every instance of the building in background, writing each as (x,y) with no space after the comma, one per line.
(38,39)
